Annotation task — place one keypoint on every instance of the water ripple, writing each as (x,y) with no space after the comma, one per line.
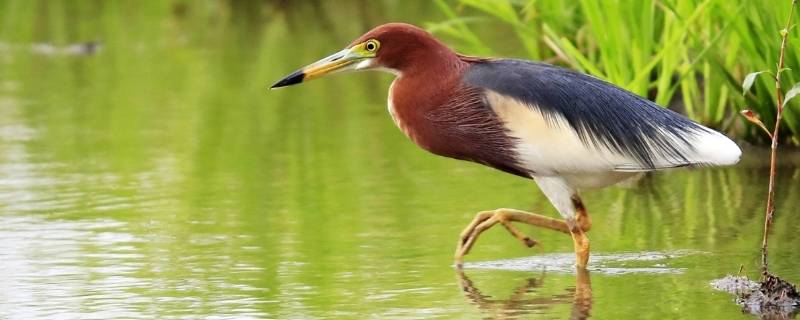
(54,269)
(603,263)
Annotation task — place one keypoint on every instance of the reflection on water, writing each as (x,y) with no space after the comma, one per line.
(528,299)
(157,179)
(524,300)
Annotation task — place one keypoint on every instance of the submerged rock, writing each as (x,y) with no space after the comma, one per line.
(772,298)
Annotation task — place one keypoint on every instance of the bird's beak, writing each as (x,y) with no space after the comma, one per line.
(347,59)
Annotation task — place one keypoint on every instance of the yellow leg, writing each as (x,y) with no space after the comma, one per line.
(578,231)
(581,244)
(486,219)
(580,213)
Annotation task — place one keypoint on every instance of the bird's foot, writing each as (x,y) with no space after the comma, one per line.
(486,219)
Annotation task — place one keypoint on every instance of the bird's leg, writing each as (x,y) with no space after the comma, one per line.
(581,243)
(486,219)
(578,228)
(580,213)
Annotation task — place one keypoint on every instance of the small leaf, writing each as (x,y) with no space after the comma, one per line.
(784,69)
(793,92)
(748,81)
(752,117)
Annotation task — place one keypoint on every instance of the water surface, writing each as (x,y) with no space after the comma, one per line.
(157,178)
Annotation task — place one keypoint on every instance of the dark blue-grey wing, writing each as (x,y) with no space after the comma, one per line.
(603,115)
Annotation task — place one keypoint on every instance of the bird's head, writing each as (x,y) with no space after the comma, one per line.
(395,47)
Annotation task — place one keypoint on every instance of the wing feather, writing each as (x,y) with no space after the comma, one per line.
(587,124)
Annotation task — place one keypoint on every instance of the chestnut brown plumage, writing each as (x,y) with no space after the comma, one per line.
(565,130)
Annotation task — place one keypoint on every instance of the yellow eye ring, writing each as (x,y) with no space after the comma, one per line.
(372,45)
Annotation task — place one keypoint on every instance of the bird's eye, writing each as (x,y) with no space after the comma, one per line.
(371,45)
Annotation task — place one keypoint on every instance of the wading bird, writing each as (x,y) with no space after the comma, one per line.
(565,130)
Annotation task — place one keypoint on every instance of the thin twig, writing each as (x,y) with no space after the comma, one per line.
(774,147)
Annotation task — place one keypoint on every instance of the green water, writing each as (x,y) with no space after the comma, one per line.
(158,178)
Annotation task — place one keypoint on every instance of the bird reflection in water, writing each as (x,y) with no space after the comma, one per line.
(521,303)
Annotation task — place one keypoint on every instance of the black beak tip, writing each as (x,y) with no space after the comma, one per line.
(294,78)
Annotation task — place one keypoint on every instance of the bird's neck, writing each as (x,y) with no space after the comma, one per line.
(433,65)
(428,80)
(419,90)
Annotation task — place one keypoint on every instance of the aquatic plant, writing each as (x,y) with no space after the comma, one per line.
(772,296)
(781,101)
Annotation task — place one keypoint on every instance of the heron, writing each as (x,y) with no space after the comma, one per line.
(565,130)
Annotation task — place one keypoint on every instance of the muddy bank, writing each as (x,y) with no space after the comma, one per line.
(772,298)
